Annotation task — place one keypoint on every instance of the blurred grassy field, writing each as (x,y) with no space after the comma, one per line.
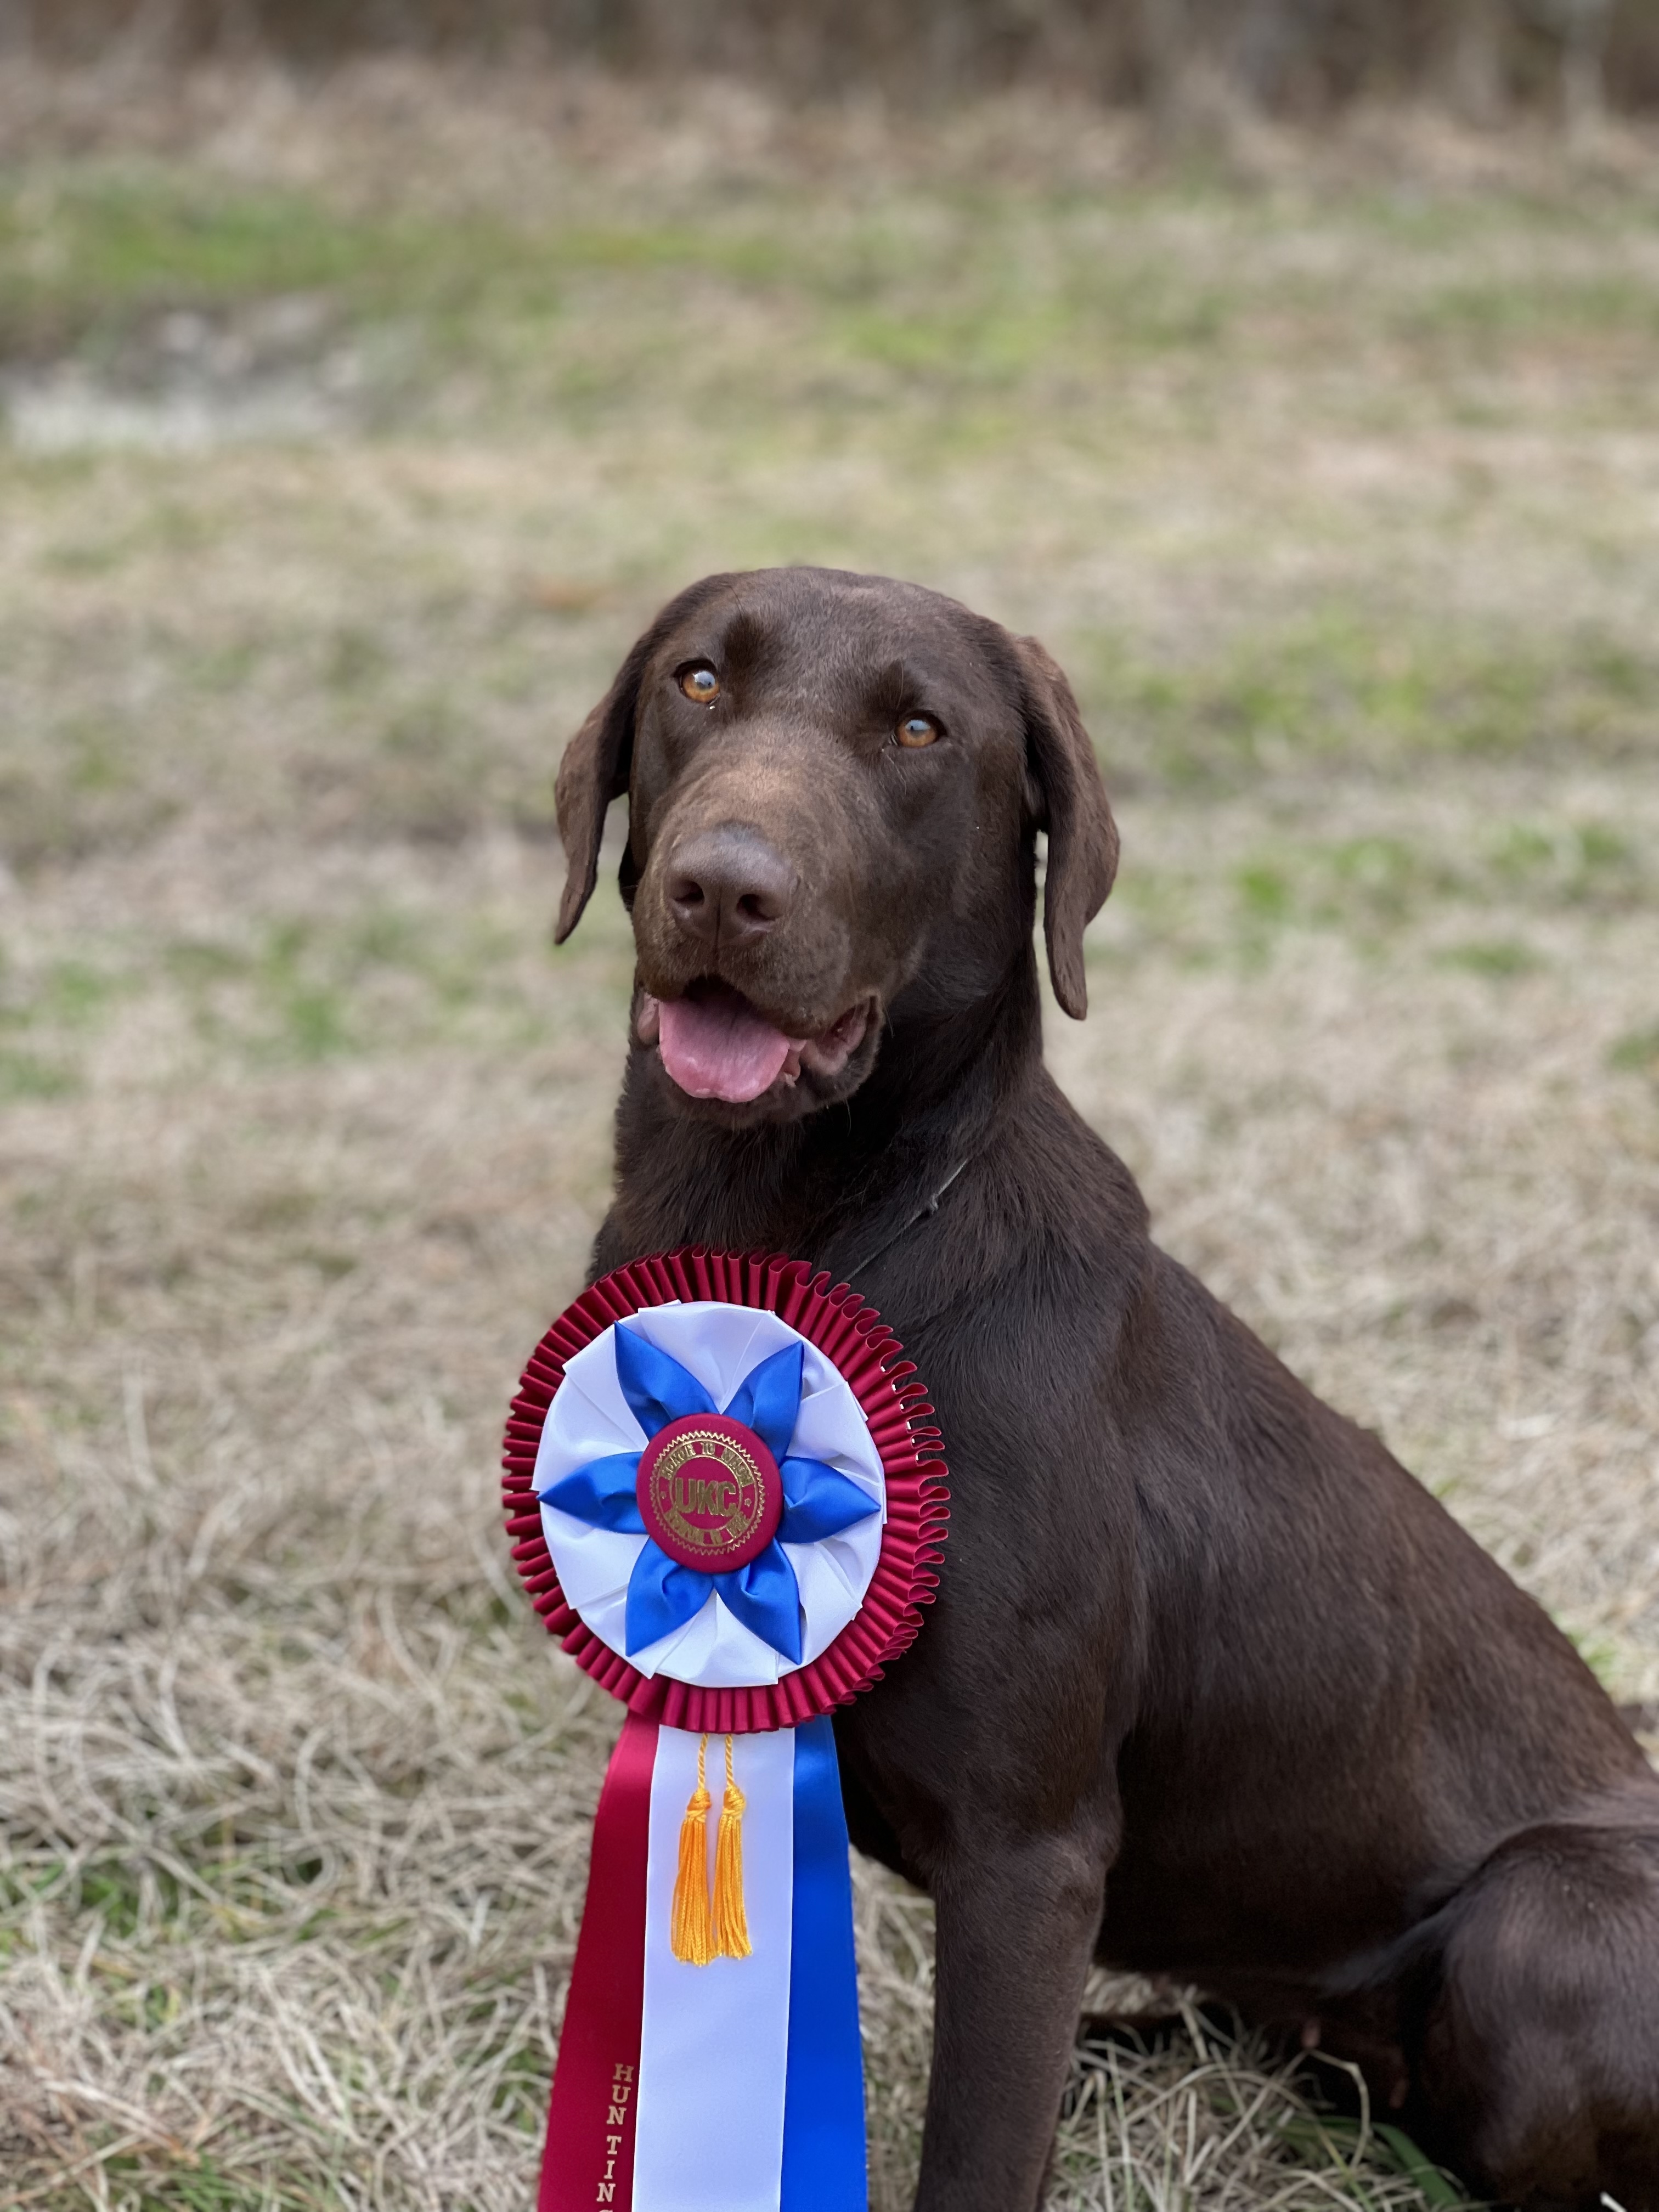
(351,443)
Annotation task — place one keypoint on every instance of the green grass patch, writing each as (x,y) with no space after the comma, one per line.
(1499,957)
(217,1883)
(1637,1054)
(1342,689)
(1375,889)
(86,256)
(75,993)
(383,980)
(958,293)
(174,2178)
(1380,883)
(77,790)
(30,1075)
(1550,310)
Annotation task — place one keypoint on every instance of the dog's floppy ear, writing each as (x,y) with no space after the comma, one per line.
(593,771)
(1069,801)
(599,758)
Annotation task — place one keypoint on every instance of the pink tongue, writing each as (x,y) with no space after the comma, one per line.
(720,1048)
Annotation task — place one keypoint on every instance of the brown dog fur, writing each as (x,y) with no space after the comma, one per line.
(1214,1688)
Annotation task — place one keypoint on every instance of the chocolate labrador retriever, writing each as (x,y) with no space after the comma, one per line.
(1214,1688)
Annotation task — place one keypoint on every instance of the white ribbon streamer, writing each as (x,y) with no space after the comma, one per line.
(709,2134)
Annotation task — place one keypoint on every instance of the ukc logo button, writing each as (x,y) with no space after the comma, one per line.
(709,1493)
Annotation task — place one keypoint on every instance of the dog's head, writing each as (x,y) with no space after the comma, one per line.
(833,786)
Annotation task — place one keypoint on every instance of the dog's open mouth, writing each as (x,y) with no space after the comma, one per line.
(715,1044)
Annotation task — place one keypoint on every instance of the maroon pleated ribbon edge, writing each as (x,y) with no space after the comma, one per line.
(852,1335)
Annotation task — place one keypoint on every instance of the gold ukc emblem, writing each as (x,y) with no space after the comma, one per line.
(709,1492)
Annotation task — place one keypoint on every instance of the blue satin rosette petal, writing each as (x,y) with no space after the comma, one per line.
(818,1501)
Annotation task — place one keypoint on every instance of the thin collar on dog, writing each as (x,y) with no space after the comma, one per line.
(930,1206)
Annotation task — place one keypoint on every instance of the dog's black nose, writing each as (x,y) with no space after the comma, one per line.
(727,884)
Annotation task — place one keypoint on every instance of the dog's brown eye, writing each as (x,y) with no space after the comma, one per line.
(700,683)
(917,729)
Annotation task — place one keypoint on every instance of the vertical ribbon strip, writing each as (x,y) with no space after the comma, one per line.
(591,2123)
(823,2143)
(714,2039)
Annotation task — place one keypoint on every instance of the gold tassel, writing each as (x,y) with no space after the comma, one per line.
(690,1933)
(731,1921)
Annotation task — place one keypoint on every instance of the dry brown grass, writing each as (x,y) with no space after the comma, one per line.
(1340,506)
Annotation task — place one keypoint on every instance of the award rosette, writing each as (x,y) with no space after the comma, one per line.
(727,1498)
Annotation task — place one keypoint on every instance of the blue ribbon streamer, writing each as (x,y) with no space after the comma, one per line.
(823,2148)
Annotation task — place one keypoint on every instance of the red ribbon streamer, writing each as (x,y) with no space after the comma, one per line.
(589,2158)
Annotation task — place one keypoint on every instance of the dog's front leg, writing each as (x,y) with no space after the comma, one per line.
(1017,1921)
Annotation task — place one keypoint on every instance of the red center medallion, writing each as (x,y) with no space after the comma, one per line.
(709,1493)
